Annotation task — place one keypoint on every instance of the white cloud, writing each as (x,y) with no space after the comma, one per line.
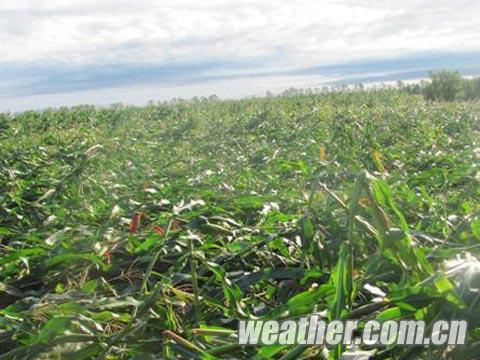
(275,33)
(58,52)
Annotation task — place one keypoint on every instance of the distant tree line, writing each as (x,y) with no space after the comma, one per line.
(446,86)
(443,85)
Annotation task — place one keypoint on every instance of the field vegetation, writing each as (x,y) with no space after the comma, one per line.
(147,232)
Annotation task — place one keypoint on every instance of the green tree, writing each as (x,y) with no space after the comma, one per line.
(444,86)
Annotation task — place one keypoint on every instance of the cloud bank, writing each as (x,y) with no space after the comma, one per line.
(58,46)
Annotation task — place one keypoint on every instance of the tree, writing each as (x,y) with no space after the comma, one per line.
(445,85)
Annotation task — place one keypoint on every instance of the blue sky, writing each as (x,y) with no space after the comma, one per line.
(83,51)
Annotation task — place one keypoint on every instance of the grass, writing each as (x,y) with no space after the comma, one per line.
(147,232)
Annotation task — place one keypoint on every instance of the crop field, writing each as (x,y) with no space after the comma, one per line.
(148,232)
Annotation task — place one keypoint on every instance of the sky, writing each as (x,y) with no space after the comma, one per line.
(56,53)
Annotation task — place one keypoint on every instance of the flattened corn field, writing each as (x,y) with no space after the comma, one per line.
(147,232)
